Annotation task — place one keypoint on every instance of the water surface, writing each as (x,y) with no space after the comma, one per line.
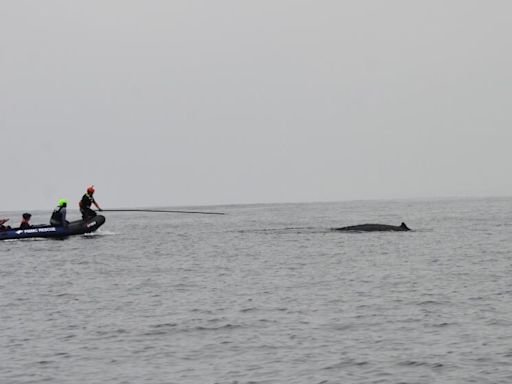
(265,294)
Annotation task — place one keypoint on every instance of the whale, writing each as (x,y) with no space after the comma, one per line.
(374,228)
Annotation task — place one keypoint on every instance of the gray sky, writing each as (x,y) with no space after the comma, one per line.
(231,101)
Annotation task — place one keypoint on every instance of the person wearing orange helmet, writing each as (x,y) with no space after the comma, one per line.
(86,202)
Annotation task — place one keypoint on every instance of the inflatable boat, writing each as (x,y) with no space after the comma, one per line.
(78,227)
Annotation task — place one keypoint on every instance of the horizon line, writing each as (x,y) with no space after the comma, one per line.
(423,198)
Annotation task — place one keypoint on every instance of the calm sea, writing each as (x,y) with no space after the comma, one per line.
(265,294)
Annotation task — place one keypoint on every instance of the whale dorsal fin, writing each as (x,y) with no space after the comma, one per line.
(404,226)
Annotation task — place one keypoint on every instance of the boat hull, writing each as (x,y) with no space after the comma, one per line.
(78,227)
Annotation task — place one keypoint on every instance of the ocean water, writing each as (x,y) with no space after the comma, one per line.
(265,294)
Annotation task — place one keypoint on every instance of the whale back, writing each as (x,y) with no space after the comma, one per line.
(374,228)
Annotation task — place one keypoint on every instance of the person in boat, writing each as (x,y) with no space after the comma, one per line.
(25,222)
(86,202)
(2,226)
(58,218)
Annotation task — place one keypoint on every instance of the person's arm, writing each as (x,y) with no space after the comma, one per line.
(63,213)
(97,206)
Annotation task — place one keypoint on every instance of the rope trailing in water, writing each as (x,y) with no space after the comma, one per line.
(161,211)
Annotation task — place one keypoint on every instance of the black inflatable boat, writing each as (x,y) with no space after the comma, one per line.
(78,227)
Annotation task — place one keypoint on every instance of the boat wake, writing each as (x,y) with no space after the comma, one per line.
(100,233)
(27,239)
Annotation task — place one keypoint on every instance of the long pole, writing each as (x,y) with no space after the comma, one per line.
(161,211)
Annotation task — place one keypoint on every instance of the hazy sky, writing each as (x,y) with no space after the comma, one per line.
(233,101)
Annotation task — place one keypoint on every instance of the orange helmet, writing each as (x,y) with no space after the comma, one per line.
(90,190)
